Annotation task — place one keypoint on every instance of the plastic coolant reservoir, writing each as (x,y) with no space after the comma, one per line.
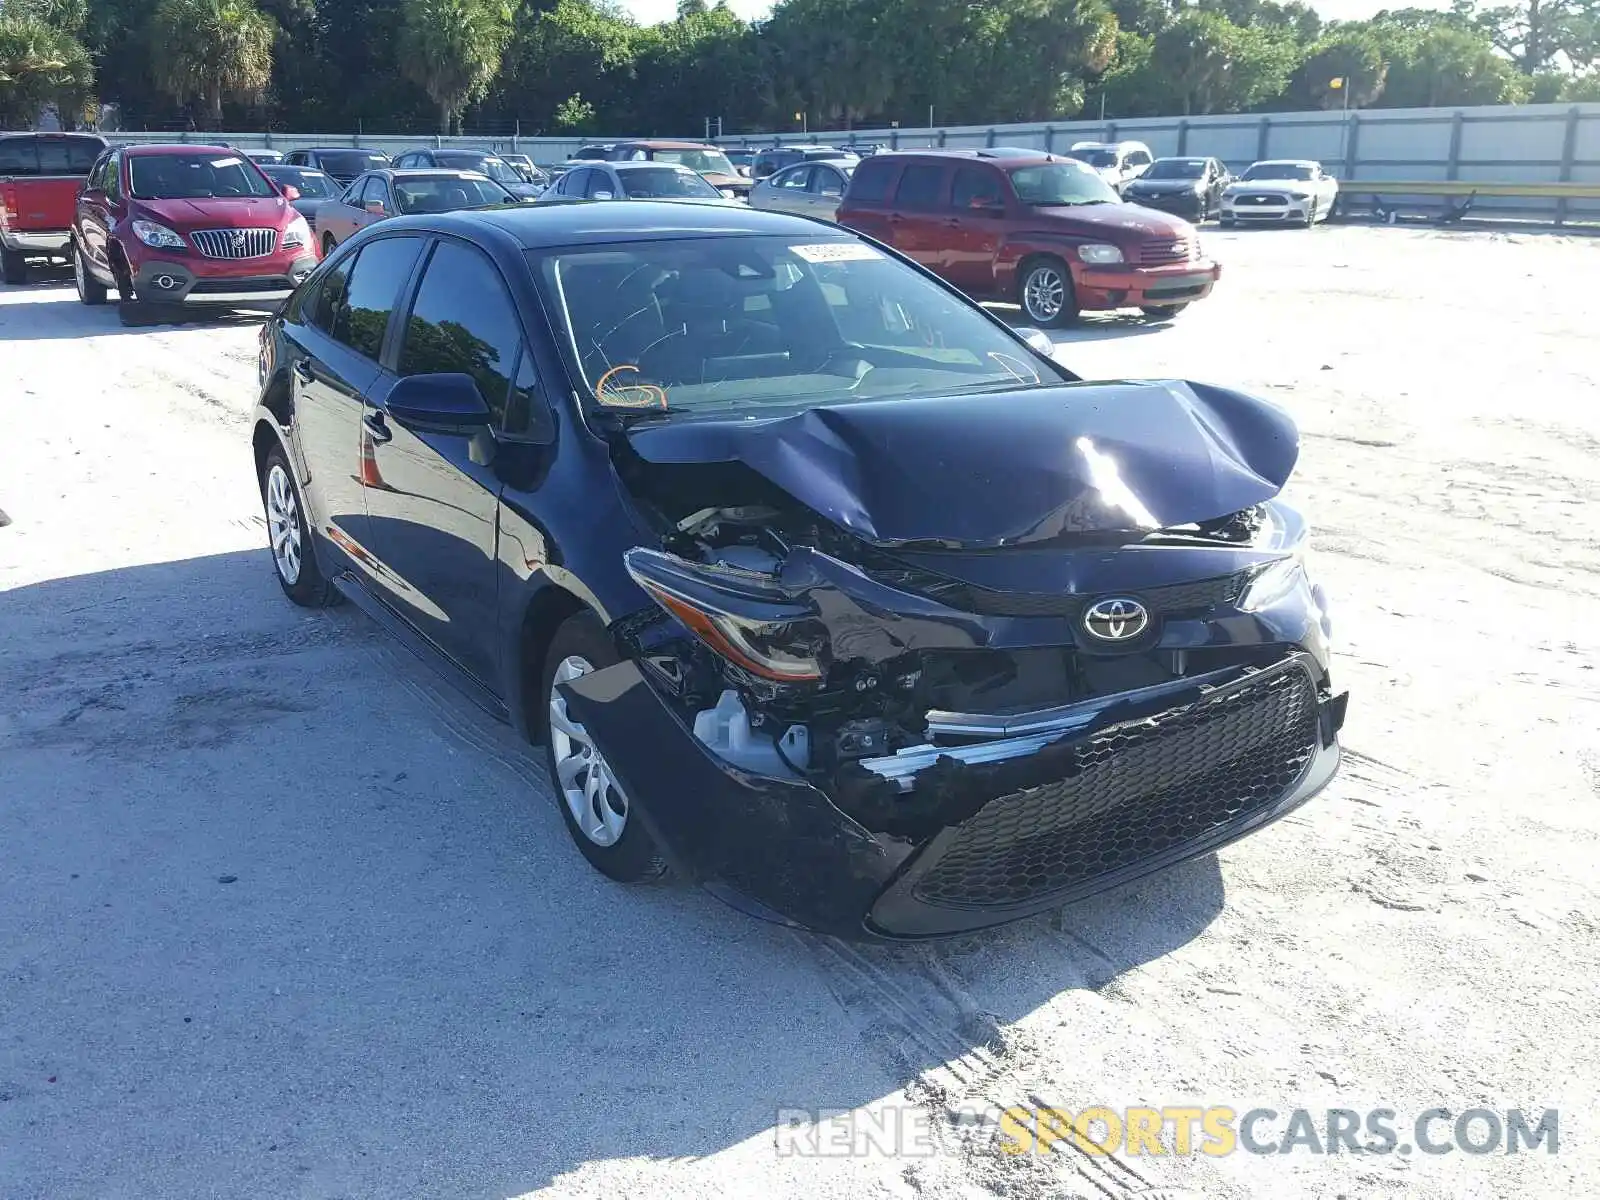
(726,730)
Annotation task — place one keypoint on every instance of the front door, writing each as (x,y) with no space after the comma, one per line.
(433,497)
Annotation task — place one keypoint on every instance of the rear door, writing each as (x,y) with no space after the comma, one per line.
(974,228)
(919,217)
(434,497)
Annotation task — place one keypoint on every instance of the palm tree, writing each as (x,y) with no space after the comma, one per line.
(452,49)
(211,49)
(39,64)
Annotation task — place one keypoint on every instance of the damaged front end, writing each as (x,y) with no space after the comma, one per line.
(915,737)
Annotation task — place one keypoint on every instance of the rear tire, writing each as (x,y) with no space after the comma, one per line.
(294,558)
(615,842)
(90,290)
(13,267)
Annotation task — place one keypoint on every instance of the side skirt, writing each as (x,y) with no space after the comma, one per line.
(351,587)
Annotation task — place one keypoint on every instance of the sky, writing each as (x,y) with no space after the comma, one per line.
(650,11)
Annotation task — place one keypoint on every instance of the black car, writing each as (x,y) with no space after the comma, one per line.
(481,161)
(819,583)
(315,188)
(341,162)
(1185,187)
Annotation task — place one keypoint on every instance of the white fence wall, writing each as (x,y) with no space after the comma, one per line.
(1529,143)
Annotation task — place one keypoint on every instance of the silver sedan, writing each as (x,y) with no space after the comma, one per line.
(807,189)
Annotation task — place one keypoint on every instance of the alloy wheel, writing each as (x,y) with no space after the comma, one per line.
(1044,293)
(283,524)
(77,274)
(596,801)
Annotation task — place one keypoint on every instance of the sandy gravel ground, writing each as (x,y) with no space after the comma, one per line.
(280,917)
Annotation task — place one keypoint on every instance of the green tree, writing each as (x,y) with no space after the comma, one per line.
(211,50)
(452,50)
(1437,59)
(1538,34)
(1202,63)
(557,50)
(1348,53)
(39,65)
(574,113)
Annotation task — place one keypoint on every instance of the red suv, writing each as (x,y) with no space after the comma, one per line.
(1040,230)
(40,174)
(196,226)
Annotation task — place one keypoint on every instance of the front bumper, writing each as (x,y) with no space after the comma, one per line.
(1131,286)
(1112,802)
(167,281)
(1276,211)
(1180,204)
(53,242)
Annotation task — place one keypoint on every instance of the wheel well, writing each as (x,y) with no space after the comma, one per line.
(262,442)
(119,261)
(544,615)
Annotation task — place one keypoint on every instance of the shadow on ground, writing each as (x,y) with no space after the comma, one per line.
(283,912)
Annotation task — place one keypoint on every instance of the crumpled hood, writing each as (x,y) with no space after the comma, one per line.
(1008,469)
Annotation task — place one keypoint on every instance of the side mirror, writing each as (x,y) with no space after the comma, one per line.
(291,193)
(1038,339)
(449,401)
(601,196)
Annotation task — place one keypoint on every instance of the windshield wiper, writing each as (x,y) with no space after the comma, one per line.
(623,417)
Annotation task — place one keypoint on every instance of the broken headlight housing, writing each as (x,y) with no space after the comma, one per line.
(737,613)
(1283,527)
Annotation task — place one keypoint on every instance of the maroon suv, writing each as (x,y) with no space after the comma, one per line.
(190,226)
(1043,231)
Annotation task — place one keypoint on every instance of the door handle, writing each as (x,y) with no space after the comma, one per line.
(953,223)
(376,429)
(303,371)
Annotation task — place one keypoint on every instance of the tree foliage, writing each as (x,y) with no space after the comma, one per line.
(586,66)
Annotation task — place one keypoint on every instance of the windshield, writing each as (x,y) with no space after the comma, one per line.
(313,185)
(654,183)
(1278,171)
(448,193)
(1061,183)
(1095,158)
(756,324)
(1176,168)
(697,160)
(350,162)
(48,155)
(194,177)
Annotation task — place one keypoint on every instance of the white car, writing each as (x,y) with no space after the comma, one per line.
(1280,191)
(1118,163)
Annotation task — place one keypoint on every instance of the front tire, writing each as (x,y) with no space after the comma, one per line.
(328,244)
(1046,293)
(13,267)
(1311,215)
(597,812)
(294,559)
(90,290)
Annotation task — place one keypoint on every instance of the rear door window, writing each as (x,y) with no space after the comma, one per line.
(920,187)
(870,183)
(464,321)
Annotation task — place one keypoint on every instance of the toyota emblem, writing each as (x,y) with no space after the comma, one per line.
(1116,619)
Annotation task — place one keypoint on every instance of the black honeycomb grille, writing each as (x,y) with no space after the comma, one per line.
(1140,789)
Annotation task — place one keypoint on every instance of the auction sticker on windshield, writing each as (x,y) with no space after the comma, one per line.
(832,252)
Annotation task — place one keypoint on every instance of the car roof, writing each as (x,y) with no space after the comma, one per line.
(427,173)
(664,144)
(1186,158)
(568,223)
(336,150)
(154,148)
(999,155)
(646,164)
(1286,162)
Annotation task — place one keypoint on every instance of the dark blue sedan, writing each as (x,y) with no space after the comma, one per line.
(821,585)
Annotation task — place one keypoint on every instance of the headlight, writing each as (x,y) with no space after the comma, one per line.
(298,233)
(1273,583)
(157,236)
(1298,194)
(1097,252)
(1283,527)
